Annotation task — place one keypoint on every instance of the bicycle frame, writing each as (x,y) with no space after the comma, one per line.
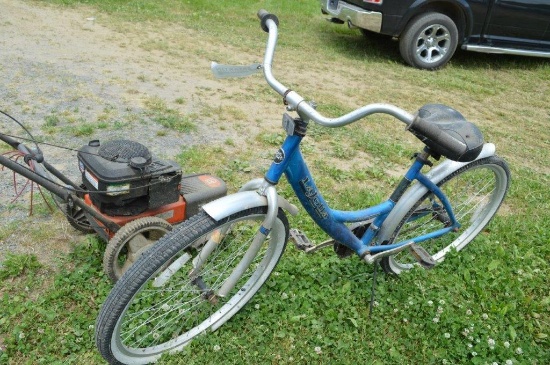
(290,162)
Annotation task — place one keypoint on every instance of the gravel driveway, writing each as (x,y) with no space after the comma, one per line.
(64,63)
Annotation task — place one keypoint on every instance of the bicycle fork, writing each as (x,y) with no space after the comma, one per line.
(272,209)
(269,191)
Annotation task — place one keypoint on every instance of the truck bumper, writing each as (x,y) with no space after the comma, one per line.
(353,15)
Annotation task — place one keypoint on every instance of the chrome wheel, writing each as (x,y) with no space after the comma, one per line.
(429,41)
(433,43)
(475,191)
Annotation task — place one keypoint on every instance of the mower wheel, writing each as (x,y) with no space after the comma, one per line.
(130,241)
(77,219)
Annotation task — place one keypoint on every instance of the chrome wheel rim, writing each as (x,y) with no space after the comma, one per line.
(473,209)
(433,43)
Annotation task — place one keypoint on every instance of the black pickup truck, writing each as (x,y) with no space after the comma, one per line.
(429,31)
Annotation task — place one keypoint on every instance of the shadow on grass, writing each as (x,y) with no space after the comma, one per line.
(353,45)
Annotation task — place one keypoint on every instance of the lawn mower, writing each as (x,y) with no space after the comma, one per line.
(129,197)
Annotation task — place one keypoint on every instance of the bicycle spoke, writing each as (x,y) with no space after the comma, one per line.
(475,192)
(176,309)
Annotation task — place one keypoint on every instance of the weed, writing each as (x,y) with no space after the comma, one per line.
(240,166)
(51,120)
(81,130)
(275,139)
(17,265)
(169,118)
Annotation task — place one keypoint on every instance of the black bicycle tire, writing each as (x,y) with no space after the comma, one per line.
(166,248)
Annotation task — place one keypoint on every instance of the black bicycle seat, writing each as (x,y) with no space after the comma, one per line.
(447,133)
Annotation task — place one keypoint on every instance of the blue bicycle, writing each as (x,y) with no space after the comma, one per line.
(199,275)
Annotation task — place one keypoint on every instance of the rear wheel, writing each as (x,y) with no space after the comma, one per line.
(76,216)
(78,219)
(475,192)
(170,294)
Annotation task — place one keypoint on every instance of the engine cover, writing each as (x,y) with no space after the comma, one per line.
(123,178)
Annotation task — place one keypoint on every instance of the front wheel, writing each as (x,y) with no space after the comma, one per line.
(429,41)
(170,294)
(475,192)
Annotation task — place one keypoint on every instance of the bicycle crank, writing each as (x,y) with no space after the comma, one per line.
(418,252)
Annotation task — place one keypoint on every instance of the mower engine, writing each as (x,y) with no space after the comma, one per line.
(123,178)
(124,182)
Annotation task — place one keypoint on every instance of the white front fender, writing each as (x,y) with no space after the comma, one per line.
(418,190)
(230,204)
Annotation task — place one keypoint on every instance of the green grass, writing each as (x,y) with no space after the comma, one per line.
(48,315)
(488,304)
(167,117)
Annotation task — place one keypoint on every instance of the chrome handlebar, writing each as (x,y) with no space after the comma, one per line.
(294,101)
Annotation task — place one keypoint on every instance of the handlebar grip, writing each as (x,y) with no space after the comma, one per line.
(264,16)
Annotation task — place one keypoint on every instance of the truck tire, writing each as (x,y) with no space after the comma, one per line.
(429,41)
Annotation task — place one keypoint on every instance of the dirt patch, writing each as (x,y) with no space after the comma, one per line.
(66,64)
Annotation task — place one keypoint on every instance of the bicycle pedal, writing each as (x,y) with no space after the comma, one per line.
(301,242)
(422,256)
